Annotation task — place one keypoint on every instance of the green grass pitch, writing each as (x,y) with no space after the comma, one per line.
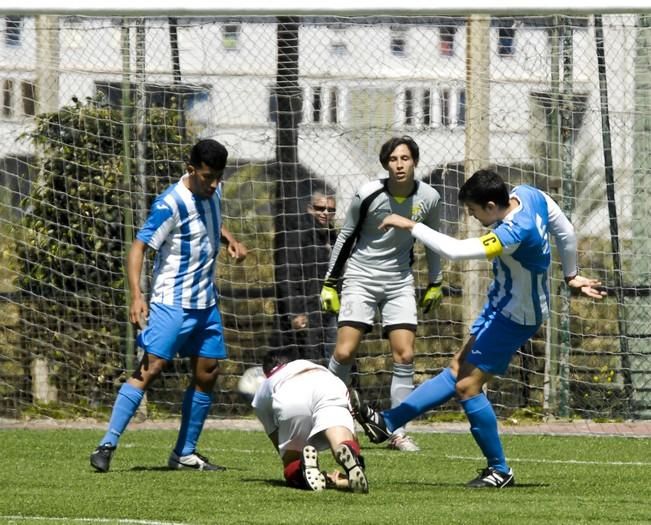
(45,478)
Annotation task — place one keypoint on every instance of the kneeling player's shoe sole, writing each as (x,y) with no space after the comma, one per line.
(194,461)
(312,475)
(490,478)
(353,466)
(100,459)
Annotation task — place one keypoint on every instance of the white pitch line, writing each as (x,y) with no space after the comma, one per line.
(563,461)
(90,520)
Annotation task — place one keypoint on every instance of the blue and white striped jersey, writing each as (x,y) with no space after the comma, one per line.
(519,290)
(520,251)
(185,232)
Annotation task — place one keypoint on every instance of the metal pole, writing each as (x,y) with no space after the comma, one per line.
(477,147)
(612,212)
(288,115)
(129,351)
(550,382)
(567,156)
(176,73)
(47,64)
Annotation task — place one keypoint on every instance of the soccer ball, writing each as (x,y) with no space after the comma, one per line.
(250,381)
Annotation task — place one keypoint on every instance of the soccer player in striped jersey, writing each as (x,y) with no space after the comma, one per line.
(184,228)
(518,303)
(378,274)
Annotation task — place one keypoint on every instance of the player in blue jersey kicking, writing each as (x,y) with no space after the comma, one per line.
(185,228)
(518,303)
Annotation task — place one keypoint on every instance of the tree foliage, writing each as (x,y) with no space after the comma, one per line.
(72,235)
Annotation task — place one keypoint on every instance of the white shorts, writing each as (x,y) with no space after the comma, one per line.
(307,404)
(393,294)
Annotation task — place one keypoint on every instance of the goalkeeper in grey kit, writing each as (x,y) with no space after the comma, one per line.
(378,272)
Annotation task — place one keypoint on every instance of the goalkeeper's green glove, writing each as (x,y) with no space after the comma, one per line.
(432,297)
(329,297)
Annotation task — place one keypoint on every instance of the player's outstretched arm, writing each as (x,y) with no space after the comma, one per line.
(396,221)
(444,245)
(587,286)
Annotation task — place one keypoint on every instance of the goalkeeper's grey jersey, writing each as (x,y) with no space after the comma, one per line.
(371,252)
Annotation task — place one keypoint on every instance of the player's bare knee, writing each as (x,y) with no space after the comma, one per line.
(205,381)
(454,367)
(345,353)
(466,388)
(149,369)
(403,356)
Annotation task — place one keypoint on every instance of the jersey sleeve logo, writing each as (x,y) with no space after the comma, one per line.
(492,245)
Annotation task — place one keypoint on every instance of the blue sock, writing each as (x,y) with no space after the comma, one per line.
(125,406)
(194,412)
(431,393)
(483,425)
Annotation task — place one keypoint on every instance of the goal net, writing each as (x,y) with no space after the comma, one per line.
(98,114)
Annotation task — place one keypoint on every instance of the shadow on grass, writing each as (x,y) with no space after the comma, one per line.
(463,486)
(163,468)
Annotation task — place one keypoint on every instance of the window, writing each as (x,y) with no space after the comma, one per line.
(333,105)
(461,108)
(8,98)
(338,45)
(29,98)
(12,30)
(409,107)
(339,48)
(316,105)
(427,108)
(505,41)
(398,42)
(231,37)
(446,40)
(444,97)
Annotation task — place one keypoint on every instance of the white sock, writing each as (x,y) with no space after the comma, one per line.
(341,371)
(402,384)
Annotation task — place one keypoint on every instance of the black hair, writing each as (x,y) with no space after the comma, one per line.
(212,153)
(391,144)
(483,187)
(278,356)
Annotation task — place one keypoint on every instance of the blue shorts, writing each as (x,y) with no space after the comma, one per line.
(188,332)
(496,340)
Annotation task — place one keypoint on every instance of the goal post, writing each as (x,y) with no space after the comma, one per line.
(99,111)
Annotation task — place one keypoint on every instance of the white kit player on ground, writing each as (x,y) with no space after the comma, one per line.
(303,409)
(518,303)
(184,227)
(378,274)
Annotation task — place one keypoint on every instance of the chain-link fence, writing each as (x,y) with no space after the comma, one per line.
(98,114)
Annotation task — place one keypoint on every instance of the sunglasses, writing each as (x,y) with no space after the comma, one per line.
(321,209)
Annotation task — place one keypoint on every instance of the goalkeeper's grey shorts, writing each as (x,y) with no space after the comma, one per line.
(390,293)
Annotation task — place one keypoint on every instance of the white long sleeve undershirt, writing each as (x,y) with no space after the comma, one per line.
(460,249)
(446,246)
